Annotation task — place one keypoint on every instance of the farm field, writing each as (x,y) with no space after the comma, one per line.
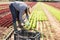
(55,12)
(44,24)
(54,4)
(44,18)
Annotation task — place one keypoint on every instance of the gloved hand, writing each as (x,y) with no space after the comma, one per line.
(27,23)
(22,24)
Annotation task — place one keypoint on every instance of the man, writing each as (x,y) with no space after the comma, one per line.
(18,9)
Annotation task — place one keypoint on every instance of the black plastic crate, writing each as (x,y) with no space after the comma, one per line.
(25,35)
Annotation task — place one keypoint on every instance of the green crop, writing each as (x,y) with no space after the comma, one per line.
(54,11)
(36,14)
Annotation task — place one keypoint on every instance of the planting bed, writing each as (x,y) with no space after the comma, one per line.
(47,31)
(40,20)
(36,15)
(55,12)
(52,20)
(54,4)
(5,22)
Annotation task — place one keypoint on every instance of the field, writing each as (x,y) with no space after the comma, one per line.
(55,12)
(54,4)
(43,23)
(45,18)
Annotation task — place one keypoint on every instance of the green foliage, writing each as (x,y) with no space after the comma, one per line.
(36,14)
(55,12)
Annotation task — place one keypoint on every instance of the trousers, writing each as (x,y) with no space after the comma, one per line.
(15,16)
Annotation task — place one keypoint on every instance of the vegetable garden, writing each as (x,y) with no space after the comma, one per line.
(38,20)
(55,12)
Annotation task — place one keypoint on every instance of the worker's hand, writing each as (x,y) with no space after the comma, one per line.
(22,24)
(27,23)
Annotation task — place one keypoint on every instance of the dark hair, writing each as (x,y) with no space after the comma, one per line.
(26,10)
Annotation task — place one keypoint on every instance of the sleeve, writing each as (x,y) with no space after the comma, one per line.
(20,17)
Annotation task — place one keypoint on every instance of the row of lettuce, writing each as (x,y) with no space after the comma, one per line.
(54,11)
(36,15)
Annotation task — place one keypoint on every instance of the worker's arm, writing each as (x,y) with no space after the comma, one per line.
(20,18)
(27,16)
(27,13)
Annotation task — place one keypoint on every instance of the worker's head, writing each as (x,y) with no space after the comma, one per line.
(26,10)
